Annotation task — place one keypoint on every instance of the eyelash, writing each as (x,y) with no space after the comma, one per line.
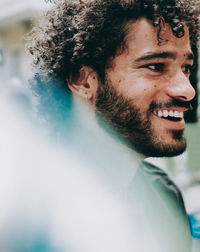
(160,67)
(188,68)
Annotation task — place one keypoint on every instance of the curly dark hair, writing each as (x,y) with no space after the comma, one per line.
(91,32)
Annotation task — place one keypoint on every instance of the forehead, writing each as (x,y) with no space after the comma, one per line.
(142,37)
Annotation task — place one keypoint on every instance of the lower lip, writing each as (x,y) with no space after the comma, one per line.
(173,125)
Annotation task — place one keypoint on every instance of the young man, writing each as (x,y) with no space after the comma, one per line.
(129,62)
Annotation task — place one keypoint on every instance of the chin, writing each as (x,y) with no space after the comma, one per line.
(171,151)
(164,151)
(177,146)
(157,148)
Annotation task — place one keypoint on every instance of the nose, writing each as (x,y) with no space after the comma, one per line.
(180,88)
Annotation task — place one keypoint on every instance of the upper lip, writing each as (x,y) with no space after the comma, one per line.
(179,109)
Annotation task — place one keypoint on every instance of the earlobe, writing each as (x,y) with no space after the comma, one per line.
(85,84)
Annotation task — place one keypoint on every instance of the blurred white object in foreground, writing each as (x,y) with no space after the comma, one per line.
(49,200)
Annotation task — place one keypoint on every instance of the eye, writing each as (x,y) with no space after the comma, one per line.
(187,69)
(156,67)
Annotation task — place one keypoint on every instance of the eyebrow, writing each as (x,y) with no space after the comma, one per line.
(163,55)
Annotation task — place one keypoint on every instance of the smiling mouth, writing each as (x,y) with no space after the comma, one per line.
(171,115)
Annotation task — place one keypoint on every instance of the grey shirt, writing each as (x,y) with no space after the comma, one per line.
(162,207)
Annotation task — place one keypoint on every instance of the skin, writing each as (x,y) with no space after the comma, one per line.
(147,73)
(149,76)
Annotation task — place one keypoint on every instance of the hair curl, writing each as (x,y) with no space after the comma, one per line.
(89,32)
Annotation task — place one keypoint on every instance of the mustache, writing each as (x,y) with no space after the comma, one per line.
(172,103)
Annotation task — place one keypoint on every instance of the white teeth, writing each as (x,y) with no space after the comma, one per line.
(171,113)
(176,114)
(160,114)
(181,114)
(166,113)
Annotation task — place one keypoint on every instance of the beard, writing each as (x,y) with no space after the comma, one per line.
(134,125)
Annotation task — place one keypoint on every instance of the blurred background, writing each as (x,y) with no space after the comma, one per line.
(16,20)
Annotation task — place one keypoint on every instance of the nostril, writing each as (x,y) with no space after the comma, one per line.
(183,97)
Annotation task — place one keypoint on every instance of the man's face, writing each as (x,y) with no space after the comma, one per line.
(147,90)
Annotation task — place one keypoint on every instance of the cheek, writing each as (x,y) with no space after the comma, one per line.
(136,87)
(141,93)
(149,91)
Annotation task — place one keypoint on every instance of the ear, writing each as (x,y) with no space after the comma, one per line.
(85,85)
